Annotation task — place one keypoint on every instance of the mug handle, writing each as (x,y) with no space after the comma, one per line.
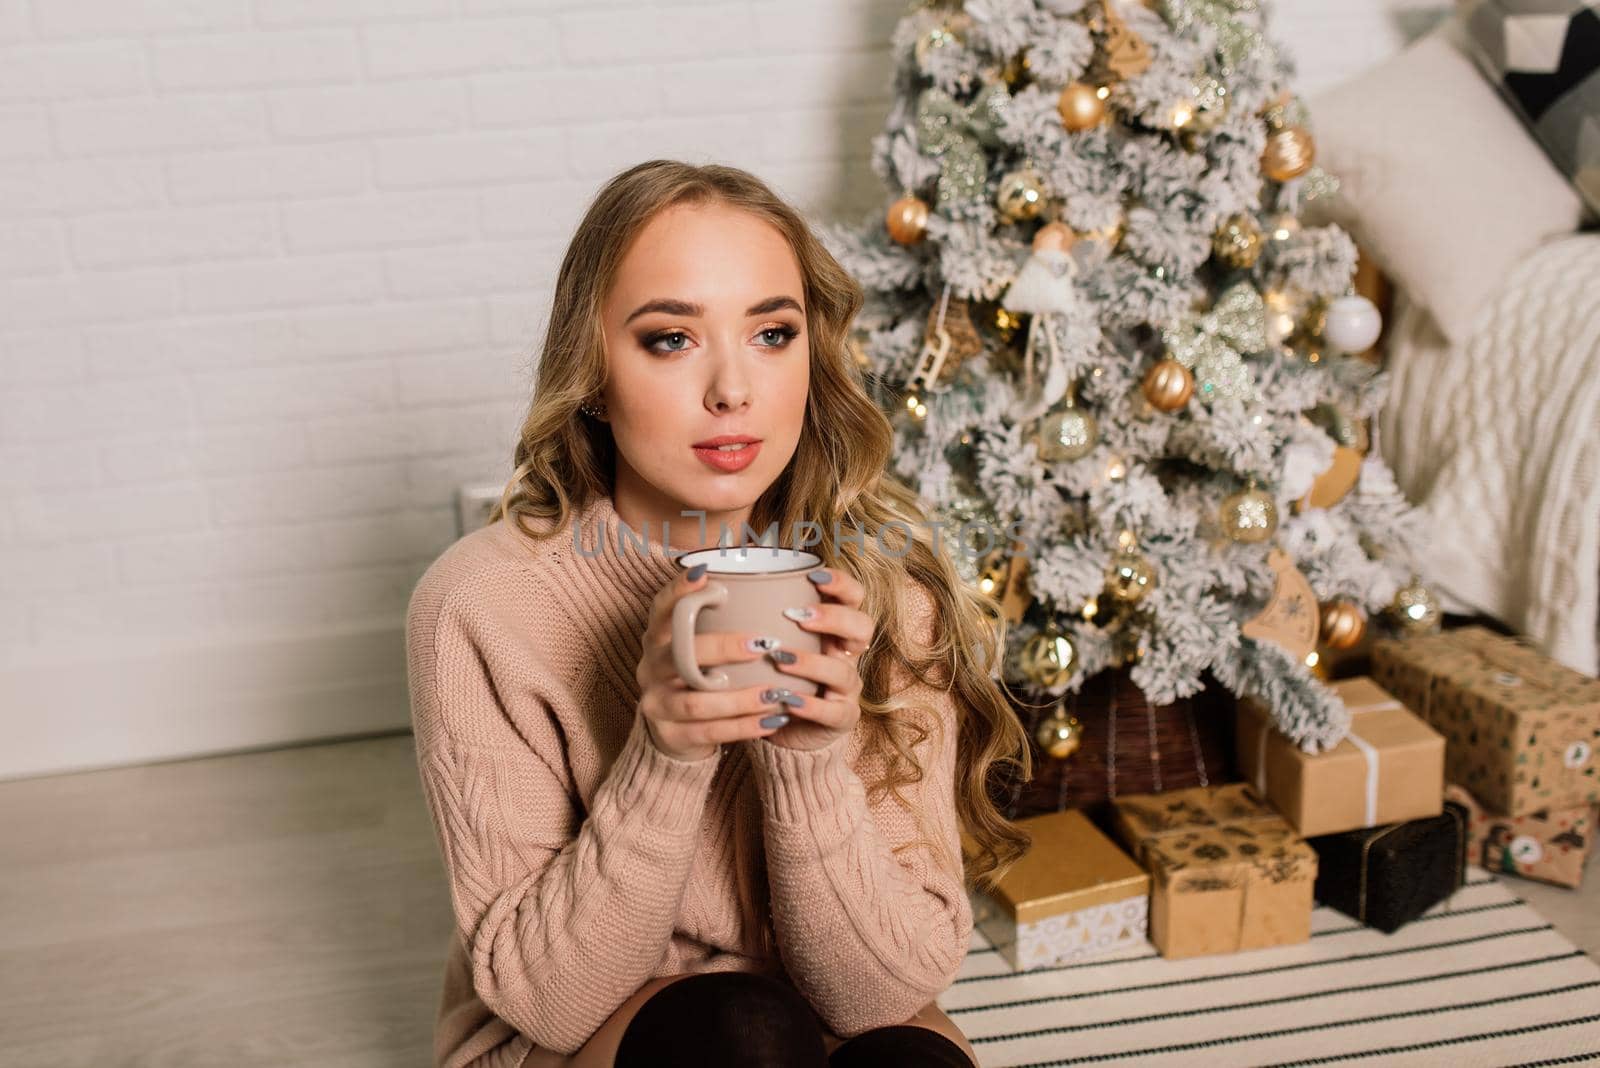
(684,615)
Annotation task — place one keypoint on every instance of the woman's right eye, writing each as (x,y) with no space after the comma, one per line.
(650,342)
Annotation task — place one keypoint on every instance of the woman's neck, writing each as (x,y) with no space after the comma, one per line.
(670,523)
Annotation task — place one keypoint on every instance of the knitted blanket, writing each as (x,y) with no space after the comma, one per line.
(1498,441)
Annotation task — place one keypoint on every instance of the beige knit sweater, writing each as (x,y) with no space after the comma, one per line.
(583,861)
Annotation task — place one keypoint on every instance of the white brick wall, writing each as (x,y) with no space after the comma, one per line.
(271,272)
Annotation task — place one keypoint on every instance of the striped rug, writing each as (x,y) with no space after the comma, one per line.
(1482,979)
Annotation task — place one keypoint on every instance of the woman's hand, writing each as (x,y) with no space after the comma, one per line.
(846,633)
(690,724)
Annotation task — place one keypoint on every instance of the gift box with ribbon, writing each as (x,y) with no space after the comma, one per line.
(1521,730)
(1073,894)
(1388,876)
(1389,768)
(1551,846)
(1227,871)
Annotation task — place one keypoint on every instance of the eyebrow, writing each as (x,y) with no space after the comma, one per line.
(684,307)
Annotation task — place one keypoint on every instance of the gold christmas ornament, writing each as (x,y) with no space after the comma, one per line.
(1061,734)
(1237,242)
(1415,608)
(1343,625)
(1289,618)
(1168,385)
(1289,153)
(1021,195)
(1130,576)
(1249,516)
(1081,106)
(907,219)
(1126,52)
(1048,658)
(1068,433)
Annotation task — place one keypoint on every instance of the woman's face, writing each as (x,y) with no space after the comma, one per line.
(706,338)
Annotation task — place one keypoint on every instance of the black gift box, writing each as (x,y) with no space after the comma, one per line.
(1388,876)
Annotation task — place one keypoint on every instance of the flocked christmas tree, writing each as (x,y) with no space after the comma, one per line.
(1103,331)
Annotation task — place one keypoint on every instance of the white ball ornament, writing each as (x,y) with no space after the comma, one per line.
(1352,324)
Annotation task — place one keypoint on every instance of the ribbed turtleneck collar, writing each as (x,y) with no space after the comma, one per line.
(635,560)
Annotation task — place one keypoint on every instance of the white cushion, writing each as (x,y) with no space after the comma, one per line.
(1439,181)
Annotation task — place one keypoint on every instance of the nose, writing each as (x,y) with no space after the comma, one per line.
(729,389)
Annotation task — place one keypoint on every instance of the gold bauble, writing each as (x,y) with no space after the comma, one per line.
(1060,735)
(1342,625)
(1067,434)
(1130,576)
(1081,106)
(1289,153)
(1021,195)
(1415,608)
(907,219)
(1249,516)
(1237,241)
(1168,385)
(1048,658)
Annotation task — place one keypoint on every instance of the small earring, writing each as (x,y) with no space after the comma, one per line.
(592,410)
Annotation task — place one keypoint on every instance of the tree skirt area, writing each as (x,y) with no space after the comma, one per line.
(1481,979)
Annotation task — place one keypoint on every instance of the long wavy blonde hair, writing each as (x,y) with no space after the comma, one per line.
(837,479)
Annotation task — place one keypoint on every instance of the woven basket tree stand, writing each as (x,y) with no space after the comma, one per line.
(1128,746)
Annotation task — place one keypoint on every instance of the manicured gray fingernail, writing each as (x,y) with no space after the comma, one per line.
(793,700)
(773,695)
(694,573)
(762,644)
(784,656)
(776,721)
(819,576)
(805,612)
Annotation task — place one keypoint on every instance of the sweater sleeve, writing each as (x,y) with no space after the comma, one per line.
(562,920)
(870,927)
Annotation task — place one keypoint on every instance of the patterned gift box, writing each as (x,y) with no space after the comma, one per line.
(1228,872)
(1551,846)
(1388,876)
(1074,894)
(1521,729)
(1389,768)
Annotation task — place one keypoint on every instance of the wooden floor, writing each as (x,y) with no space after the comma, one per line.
(273,908)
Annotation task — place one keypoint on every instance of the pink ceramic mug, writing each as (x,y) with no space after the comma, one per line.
(749,587)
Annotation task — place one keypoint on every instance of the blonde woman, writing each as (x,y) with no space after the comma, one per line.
(641,873)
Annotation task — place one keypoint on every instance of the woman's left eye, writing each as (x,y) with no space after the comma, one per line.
(785,334)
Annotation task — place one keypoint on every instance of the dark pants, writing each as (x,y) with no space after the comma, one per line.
(745,1020)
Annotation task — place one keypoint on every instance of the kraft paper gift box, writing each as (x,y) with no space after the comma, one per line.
(1521,730)
(1074,894)
(1386,877)
(1227,871)
(1551,846)
(1388,769)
